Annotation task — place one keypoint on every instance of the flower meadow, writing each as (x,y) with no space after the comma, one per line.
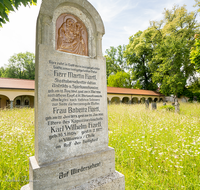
(16,146)
(156,149)
(153,149)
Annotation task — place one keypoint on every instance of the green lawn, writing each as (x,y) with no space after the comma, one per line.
(154,149)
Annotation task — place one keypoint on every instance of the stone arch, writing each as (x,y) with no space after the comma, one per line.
(125,100)
(7,95)
(49,12)
(150,99)
(134,100)
(142,100)
(84,5)
(24,101)
(108,101)
(18,101)
(4,101)
(161,100)
(27,101)
(155,99)
(115,100)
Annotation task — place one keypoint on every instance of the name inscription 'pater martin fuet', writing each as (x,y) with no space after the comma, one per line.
(71,35)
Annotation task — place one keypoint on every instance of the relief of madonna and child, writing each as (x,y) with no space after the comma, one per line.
(71,35)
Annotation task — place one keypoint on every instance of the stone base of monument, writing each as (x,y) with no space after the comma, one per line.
(95,171)
(109,182)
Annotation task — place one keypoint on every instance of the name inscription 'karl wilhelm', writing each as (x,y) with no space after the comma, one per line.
(75,110)
(63,128)
(72,75)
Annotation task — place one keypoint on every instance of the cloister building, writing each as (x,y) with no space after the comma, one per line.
(20,93)
(16,93)
(132,96)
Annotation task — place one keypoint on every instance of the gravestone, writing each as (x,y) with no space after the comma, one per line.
(153,106)
(147,104)
(71,122)
(195,99)
(176,105)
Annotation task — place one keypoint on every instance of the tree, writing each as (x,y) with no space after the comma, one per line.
(192,91)
(195,53)
(197,5)
(115,61)
(172,39)
(21,65)
(194,86)
(120,79)
(2,70)
(138,53)
(137,85)
(6,6)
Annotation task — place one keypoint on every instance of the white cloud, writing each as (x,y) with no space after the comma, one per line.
(122,18)
(170,3)
(110,9)
(18,35)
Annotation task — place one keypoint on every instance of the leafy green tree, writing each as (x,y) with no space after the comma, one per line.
(138,53)
(115,61)
(192,91)
(6,6)
(137,85)
(195,53)
(194,87)
(172,39)
(21,65)
(197,5)
(2,70)
(120,79)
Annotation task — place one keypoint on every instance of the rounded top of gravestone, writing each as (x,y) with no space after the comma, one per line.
(49,6)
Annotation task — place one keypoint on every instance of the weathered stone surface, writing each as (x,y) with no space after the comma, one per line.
(71,127)
(51,10)
(71,172)
(112,181)
(147,103)
(109,182)
(70,89)
(176,105)
(67,100)
(153,106)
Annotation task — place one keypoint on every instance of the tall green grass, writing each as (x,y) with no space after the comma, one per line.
(153,149)
(16,146)
(156,149)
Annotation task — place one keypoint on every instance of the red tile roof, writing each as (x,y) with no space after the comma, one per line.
(116,90)
(9,83)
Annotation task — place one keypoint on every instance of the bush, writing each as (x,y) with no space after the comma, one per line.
(168,107)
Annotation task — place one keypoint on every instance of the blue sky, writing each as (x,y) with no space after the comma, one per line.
(122,18)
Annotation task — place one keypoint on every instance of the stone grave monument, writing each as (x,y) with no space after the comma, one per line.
(71,126)
(147,104)
(153,105)
(176,105)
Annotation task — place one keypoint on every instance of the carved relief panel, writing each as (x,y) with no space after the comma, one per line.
(71,35)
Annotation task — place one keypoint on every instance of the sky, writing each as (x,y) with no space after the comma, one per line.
(121,18)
